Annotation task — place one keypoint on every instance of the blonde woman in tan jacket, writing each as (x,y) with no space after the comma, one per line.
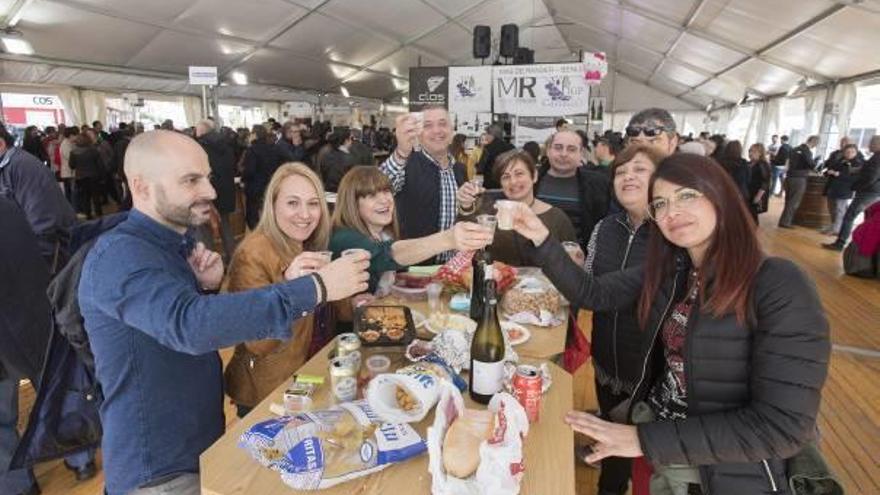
(293,226)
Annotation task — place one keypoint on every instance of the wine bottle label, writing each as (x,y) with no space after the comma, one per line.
(488,378)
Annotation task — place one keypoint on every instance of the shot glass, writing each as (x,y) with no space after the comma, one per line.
(435,305)
(489,221)
(505,210)
(326,256)
(378,363)
(355,252)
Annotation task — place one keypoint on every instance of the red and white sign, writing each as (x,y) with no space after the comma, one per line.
(21,109)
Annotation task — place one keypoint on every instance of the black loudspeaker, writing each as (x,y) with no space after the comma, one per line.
(524,56)
(482,41)
(509,40)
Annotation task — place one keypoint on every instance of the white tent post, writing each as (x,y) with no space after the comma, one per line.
(204,102)
(825,121)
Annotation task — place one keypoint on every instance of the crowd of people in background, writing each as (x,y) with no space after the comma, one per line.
(410,195)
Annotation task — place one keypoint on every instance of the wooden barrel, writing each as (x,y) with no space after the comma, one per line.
(813,211)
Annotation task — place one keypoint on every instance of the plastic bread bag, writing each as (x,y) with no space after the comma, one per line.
(454,348)
(500,465)
(533,301)
(319,449)
(407,395)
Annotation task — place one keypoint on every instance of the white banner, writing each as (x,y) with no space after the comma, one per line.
(470,89)
(202,76)
(536,129)
(541,90)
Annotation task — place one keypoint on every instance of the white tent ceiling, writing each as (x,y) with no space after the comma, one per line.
(694,50)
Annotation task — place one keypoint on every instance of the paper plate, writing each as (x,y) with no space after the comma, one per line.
(453,322)
(521,333)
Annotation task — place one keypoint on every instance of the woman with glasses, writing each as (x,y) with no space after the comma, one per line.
(736,343)
(619,241)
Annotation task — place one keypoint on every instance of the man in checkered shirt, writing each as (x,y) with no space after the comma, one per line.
(424,178)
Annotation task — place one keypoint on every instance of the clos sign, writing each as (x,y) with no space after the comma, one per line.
(44,101)
(428,86)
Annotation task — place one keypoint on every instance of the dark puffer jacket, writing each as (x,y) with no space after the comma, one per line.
(753,391)
(616,340)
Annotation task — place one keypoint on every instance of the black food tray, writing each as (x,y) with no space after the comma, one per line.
(369,327)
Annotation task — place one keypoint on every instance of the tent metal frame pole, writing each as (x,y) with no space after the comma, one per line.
(204,102)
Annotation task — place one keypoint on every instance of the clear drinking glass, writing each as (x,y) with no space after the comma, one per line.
(505,209)
(489,221)
(435,303)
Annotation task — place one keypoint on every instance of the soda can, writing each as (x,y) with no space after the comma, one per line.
(347,343)
(527,385)
(343,380)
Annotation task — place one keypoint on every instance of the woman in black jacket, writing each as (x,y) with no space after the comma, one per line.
(842,174)
(620,241)
(736,344)
(732,161)
(260,162)
(86,162)
(759,180)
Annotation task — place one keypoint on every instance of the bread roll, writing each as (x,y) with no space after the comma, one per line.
(461,447)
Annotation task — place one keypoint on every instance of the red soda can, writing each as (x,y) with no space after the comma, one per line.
(527,385)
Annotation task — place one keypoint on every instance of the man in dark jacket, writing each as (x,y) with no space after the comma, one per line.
(337,161)
(291,143)
(780,162)
(424,182)
(493,149)
(32,186)
(25,326)
(800,164)
(222,159)
(583,194)
(24,330)
(867,188)
(361,154)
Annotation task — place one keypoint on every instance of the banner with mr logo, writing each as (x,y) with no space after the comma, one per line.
(428,86)
(542,90)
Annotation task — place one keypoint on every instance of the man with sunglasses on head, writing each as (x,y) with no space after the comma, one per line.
(581,192)
(653,127)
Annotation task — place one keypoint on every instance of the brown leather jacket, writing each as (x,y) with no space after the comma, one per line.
(253,374)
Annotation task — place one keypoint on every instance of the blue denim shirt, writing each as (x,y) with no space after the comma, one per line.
(155,336)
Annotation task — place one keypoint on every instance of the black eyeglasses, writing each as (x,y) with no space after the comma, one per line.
(649,131)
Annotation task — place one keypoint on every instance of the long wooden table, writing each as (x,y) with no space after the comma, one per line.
(227,469)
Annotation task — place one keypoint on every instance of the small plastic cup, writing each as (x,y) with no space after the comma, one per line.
(377,364)
(435,305)
(478,180)
(489,221)
(355,252)
(326,256)
(505,209)
(297,403)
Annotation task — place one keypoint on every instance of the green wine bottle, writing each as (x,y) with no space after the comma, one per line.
(487,351)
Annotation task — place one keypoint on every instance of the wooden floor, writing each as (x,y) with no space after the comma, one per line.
(850,414)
